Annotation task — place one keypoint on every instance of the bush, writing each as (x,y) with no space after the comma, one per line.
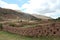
(1,26)
(12,24)
(1,19)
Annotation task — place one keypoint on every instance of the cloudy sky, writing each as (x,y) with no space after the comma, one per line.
(49,8)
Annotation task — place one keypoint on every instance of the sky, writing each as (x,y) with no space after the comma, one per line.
(50,8)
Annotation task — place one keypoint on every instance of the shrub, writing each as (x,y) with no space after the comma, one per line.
(12,24)
(1,26)
(1,19)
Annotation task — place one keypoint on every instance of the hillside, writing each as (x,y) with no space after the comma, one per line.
(41,16)
(8,14)
(12,14)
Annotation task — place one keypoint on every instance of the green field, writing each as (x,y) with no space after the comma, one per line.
(10,36)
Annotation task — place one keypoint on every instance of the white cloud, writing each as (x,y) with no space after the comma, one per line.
(33,5)
(53,15)
(45,7)
(10,6)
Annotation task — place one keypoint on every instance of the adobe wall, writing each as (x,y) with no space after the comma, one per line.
(44,30)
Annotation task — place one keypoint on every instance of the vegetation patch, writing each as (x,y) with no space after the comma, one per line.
(1,26)
(10,36)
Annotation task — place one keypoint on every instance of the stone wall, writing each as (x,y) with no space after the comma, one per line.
(41,30)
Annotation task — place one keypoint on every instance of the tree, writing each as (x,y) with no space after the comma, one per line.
(58,18)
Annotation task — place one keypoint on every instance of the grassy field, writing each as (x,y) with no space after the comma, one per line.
(10,36)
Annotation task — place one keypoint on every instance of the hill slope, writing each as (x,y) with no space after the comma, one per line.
(41,16)
(12,14)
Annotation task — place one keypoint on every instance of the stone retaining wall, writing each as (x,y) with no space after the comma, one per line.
(44,30)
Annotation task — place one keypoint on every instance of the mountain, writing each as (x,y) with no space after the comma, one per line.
(41,16)
(16,14)
(12,14)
